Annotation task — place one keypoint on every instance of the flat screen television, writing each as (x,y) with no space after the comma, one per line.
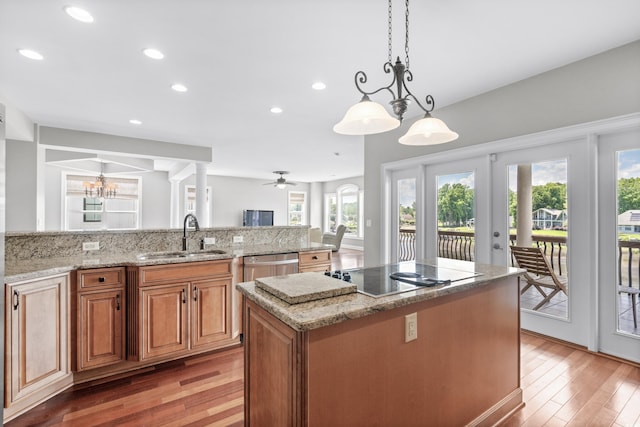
(253,218)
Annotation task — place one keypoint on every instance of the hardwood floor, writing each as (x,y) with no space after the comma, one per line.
(346,258)
(563,386)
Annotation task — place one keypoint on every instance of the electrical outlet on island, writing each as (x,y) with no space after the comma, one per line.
(238,239)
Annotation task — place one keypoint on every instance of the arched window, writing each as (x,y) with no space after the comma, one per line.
(344,207)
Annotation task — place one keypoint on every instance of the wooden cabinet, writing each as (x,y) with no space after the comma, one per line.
(314,261)
(177,309)
(37,362)
(467,350)
(100,317)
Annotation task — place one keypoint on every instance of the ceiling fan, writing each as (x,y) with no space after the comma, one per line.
(280,182)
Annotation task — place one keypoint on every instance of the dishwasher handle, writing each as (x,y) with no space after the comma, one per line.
(278,262)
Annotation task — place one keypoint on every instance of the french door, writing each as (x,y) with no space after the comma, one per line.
(618,243)
(466,181)
(566,225)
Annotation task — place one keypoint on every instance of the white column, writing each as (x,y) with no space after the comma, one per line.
(174,219)
(201,195)
(524,206)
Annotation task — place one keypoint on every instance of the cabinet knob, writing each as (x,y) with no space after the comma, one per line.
(118,302)
(314,257)
(195,293)
(101,279)
(184,296)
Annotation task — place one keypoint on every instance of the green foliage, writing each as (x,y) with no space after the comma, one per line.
(628,194)
(455,204)
(407,214)
(552,195)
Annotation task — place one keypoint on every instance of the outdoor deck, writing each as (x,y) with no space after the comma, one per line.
(461,245)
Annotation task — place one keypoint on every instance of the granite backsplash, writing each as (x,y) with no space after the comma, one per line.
(20,246)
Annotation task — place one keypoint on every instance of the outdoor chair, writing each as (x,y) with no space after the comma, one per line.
(539,273)
(633,292)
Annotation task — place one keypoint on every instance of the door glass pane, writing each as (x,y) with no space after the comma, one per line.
(628,230)
(406,219)
(546,286)
(456,218)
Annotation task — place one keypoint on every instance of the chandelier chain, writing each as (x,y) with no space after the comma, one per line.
(406,34)
(389,31)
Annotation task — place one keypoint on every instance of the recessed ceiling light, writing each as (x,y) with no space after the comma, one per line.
(135,122)
(78,14)
(178,87)
(319,86)
(276,110)
(153,53)
(31,54)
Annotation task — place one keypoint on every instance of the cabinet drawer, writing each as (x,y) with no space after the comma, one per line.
(314,257)
(185,271)
(101,277)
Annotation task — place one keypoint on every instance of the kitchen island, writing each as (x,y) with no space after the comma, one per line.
(319,351)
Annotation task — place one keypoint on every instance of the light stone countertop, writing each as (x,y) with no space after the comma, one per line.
(34,268)
(327,311)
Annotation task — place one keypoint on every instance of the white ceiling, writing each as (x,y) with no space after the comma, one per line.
(239,58)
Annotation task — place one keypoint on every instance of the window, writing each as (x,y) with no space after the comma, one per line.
(330,209)
(345,207)
(297,207)
(190,200)
(84,211)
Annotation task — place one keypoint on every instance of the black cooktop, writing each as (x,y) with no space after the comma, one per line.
(402,277)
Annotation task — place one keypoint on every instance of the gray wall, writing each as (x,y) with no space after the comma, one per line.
(602,86)
(21,188)
(231,195)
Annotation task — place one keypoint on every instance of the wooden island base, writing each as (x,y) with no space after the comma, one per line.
(463,369)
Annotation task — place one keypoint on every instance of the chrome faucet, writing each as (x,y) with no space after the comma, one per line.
(184,229)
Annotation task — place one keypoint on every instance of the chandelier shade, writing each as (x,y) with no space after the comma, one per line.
(428,131)
(366,118)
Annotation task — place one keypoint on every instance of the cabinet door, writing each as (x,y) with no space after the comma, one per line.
(164,320)
(211,317)
(37,334)
(101,325)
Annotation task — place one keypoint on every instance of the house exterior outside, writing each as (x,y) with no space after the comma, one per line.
(629,222)
(549,219)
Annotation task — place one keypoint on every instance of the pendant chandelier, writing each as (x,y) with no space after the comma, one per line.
(368,117)
(102,188)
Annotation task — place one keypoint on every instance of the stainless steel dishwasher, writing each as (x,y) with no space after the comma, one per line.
(259,266)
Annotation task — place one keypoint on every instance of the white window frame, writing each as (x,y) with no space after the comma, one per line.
(302,211)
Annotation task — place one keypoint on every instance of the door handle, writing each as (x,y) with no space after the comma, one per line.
(184,296)
(16,300)
(118,302)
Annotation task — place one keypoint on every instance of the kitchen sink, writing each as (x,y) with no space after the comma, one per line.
(178,254)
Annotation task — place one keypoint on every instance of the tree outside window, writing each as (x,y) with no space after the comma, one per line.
(344,207)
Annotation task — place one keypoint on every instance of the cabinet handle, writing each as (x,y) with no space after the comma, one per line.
(184,296)
(16,300)
(118,302)
(314,257)
(195,293)
(101,279)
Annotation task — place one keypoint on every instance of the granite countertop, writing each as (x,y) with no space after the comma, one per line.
(335,309)
(29,269)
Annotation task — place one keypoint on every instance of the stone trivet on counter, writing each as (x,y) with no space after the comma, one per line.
(304,287)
